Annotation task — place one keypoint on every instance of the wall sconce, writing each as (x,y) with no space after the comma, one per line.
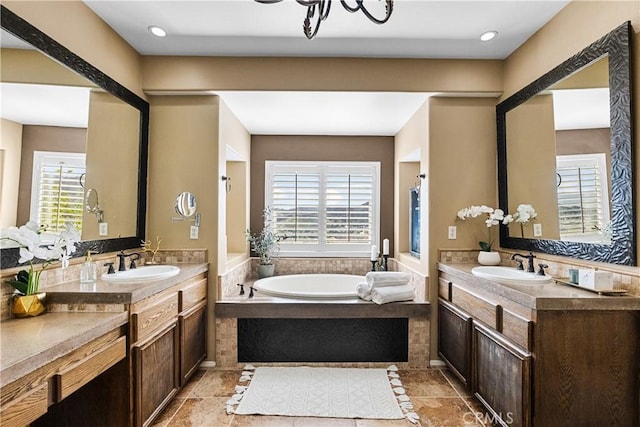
(227,181)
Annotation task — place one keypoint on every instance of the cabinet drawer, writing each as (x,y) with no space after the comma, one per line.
(147,320)
(75,376)
(444,289)
(193,293)
(26,408)
(478,308)
(518,329)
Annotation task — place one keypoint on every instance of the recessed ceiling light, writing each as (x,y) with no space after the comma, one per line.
(488,35)
(157,31)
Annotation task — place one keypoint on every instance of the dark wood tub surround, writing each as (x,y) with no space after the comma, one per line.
(546,355)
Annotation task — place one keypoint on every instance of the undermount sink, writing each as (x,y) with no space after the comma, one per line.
(143,274)
(510,275)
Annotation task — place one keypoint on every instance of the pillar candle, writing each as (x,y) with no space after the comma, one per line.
(385,247)
(374,253)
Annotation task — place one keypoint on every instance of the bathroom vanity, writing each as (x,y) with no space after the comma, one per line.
(541,355)
(118,351)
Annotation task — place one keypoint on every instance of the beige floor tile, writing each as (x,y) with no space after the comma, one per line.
(261,421)
(193,381)
(444,412)
(455,382)
(217,383)
(383,423)
(165,417)
(197,412)
(323,422)
(426,383)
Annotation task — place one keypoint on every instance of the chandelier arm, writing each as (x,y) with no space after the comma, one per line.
(323,7)
(360,6)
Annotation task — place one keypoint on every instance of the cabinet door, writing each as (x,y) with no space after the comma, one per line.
(193,345)
(501,377)
(155,373)
(454,340)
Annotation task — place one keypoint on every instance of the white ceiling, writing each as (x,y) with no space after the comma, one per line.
(417,28)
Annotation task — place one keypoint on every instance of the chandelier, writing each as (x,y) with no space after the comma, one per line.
(318,11)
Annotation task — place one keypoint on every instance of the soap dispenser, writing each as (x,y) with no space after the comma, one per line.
(88,270)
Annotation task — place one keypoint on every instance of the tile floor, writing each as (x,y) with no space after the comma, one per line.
(437,396)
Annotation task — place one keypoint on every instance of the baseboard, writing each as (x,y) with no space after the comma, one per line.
(208,364)
(437,363)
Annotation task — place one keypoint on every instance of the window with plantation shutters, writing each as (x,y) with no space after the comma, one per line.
(324,207)
(583,202)
(57,196)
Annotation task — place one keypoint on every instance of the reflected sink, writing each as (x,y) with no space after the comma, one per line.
(143,274)
(510,275)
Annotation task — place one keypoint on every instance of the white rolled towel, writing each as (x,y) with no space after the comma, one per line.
(363,289)
(387,278)
(387,294)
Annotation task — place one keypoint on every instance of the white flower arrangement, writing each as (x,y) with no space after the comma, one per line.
(524,213)
(493,217)
(28,238)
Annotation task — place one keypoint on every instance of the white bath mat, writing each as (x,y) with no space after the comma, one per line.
(322,392)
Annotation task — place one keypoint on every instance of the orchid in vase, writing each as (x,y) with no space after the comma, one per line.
(493,217)
(524,213)
(28,238)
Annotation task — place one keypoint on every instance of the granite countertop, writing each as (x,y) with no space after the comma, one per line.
(544,297)
(103,292)
(27,344)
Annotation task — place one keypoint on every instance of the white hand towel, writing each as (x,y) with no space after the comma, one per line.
(387,294)
(363,289)
(387,278)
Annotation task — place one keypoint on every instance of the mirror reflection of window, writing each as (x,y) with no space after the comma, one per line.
(583,199)
(57,195)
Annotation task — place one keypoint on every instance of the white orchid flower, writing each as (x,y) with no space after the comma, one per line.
(25,255)
(507,219)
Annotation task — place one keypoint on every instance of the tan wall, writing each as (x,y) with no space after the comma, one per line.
(31,66)
(412,159)
(324,148)
(531,160)
(579,24)
(233,219)
(75,26)
(112,165)
(324,74)
(184,157)
(10,154)
(43,138)
(462,172)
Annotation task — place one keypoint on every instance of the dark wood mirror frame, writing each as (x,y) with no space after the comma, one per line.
(622,249)
(20,28)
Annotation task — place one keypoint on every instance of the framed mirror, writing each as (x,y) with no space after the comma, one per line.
(114,139)
(565,147)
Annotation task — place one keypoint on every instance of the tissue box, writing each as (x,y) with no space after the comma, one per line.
(594,279)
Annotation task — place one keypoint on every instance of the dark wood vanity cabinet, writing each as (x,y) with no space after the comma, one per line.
(454,340)
(155,366)
(168,333)
(501,377)
(193,346)
(558,357)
